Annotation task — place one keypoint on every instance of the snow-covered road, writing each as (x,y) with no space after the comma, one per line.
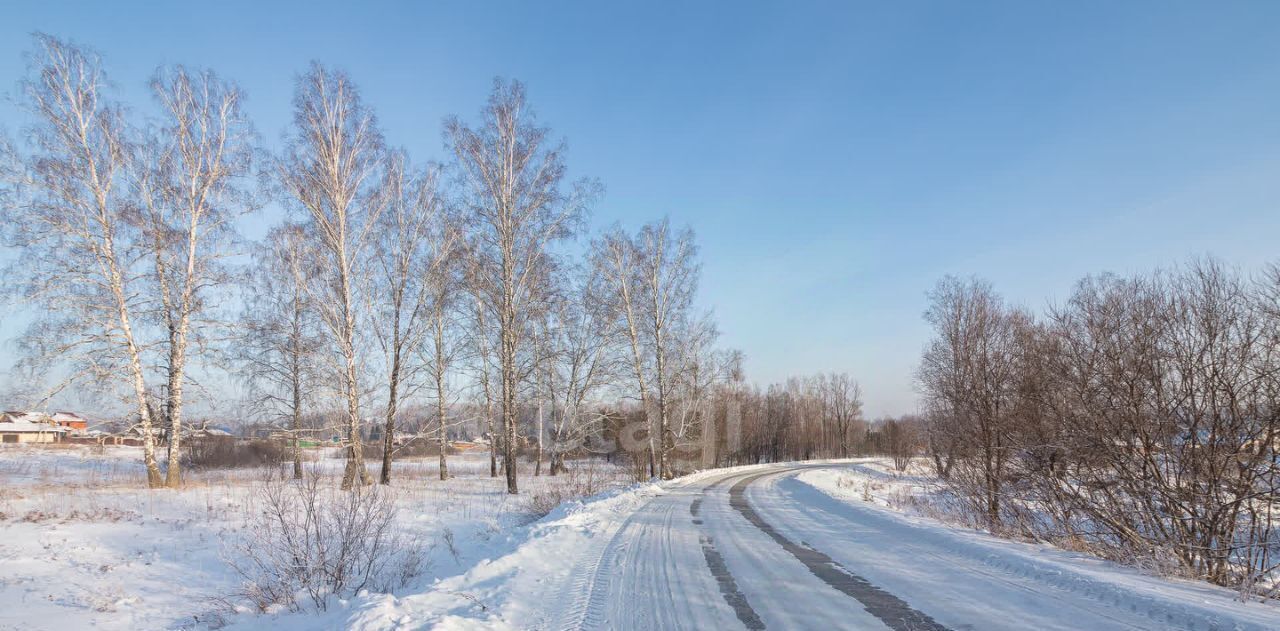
(760,549)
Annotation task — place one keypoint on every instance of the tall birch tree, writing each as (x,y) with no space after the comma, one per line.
(191,189)
(411,236)
(669,277)
(615,257)
(514,194)
(578,337)
(79,254)
(654,276)
(444,345)
(330,169)
(482,344)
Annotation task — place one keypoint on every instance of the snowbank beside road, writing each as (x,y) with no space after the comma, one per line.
(514,589)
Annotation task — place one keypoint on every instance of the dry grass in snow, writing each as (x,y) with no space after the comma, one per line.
(82,543)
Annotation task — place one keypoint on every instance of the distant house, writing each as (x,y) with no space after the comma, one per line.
(74,423)
(210,432)
(24,427)
(263,431)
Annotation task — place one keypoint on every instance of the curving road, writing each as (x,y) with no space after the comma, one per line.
(763,550)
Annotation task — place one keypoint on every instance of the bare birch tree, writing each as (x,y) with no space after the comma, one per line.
(191,189)
(697,366)
(578,338)
(412,237)
(79,254)
(445,345)
(669,277)
(330,168)
(482,342)
(653,276)
(616,258)
(513,176)
(279,336)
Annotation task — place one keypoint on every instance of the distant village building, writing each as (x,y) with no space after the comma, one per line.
(42,427)
(210,433)
(30,427)
(74,423)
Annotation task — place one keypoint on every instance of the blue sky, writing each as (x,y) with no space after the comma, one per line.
(835,159)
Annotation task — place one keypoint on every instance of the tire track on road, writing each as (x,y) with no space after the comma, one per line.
(591,592)
(728,586)
(891,610)
(1061,585)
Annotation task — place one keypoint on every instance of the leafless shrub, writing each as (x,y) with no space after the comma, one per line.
(305,540)
(418,448)
(203,454)
(899,438)
(451,542)
(541,503)
(1255,586)
(95,514)
(574,483)
(1139,420)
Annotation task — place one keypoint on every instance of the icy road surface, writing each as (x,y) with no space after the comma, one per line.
(789,547)
(763,550)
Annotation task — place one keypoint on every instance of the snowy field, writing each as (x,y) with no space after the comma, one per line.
(84,545)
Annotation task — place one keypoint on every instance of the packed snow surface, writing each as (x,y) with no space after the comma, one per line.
(841,544)
(681,556)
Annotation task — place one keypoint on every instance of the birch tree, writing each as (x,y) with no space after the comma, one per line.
(616,259)
(653,276)
(481,342)
(444,345)
(79,255)
(517,204)
(191,190)
(279,336)
(578,337)
(669,275)
(698,367)
(330,169)
(411,235)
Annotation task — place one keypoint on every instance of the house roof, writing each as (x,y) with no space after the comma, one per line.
(68,417)
(14,427)
(12,416)
(42,417)
(210,431)
(14,421)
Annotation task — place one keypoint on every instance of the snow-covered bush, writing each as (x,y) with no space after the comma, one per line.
(576,482)
(306,539)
